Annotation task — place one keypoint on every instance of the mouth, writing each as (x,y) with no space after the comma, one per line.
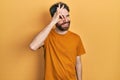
(66,23)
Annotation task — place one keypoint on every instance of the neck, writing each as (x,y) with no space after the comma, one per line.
(60,32)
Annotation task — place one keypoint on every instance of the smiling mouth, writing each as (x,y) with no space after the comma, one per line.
(66,23)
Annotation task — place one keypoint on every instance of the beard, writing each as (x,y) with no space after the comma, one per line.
(64,26)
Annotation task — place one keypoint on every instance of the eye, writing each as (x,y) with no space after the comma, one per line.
(68,15)
(60,17)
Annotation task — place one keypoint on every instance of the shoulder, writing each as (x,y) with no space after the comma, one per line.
(74,34)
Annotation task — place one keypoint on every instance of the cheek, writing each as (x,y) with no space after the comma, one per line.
(68,19)
(60,22)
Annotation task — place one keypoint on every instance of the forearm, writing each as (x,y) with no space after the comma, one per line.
(38,41)
(79,69)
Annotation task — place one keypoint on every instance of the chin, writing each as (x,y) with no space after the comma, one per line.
(66,28)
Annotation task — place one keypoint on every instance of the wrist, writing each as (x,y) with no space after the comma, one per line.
(52,23)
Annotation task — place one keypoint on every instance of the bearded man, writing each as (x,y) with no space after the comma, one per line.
(63,48)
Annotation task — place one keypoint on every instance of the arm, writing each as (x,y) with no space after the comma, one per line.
(79,68)
(38,41)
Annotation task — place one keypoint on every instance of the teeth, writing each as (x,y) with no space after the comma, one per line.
(65,23)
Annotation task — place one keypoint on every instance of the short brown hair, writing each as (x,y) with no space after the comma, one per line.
(53,8)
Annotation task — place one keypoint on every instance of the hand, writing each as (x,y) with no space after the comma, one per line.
(57,16)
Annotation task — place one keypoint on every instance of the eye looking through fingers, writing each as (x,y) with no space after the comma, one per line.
(61,16)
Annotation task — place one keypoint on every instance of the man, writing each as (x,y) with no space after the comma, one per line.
(62,47)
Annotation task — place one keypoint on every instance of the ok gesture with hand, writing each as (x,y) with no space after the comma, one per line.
(57,16)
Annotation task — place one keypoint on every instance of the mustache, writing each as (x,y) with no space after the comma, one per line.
(65,23)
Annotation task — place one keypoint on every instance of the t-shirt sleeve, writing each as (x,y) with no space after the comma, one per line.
(80,48)
(47,39)
(46,42)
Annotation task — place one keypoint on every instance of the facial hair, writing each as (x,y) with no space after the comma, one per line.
(61,28)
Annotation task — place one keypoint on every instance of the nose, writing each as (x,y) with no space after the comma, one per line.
(65,19)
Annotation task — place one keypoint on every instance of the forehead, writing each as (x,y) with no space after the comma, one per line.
(64,12)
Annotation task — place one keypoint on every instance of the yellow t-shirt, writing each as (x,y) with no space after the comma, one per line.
(60,55)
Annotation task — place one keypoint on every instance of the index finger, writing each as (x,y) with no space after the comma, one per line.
(62,7)
(59,6)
